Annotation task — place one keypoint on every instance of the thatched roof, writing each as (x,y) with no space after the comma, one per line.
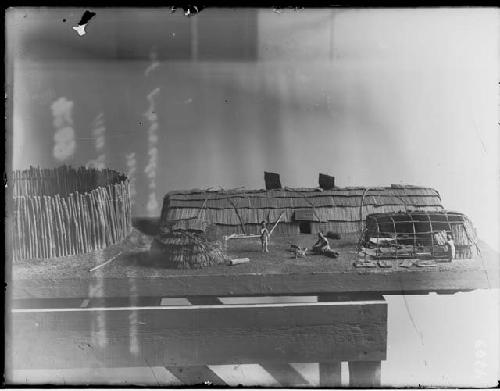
(185,250)
(195,209)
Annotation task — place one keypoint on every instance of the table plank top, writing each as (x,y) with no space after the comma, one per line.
(130,273)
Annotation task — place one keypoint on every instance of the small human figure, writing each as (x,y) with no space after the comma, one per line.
(322,244)
(451,247)
(264,237)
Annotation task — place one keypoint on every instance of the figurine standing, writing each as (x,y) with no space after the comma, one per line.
(451,247)
(264,237)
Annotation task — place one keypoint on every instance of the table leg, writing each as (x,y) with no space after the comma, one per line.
(364,373)
(285,374)
(329,374)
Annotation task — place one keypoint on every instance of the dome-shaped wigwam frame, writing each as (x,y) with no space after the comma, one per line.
(67,211)
(422,232)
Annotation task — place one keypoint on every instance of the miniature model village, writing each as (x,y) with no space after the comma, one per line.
(67,213)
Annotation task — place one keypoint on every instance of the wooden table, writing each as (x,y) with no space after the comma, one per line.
(348,323)
(187,339)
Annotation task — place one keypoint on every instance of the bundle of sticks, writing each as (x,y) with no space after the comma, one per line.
(187,250)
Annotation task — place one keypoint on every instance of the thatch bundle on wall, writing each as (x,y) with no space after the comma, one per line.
(66,211)
(341,210)
(186,250)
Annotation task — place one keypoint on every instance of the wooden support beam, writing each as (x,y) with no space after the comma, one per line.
(196,375)
(329,374)
(285,374)
(220,335)
(364,374)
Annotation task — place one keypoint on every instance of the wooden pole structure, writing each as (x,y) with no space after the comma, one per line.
(39,232)
(78,216)
(45,214)
(35,227)
(74,224)
(95,224)
(99,227)
(432,236)
(88,209)
(100,207)
(396,234)
(64,224)
(111,210)
(28,228)
(274,226)
(60,242)
(88,202)
(16,246)
(83,204)
(69,228)
(79,219)
(89,219)
(52,234)
(66,211)
(107,216)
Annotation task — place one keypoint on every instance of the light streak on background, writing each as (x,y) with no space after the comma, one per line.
(152,117)
(64,136)
(99,136)
(150,170)
(154,63)
(98,330)
(131,174)
(133,318)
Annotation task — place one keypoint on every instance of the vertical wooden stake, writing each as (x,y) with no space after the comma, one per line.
(60,222)
(57,227)
(35,231)
(52,232)
(45,213)
(67,227)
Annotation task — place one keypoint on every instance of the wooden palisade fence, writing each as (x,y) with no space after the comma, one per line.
(68,211)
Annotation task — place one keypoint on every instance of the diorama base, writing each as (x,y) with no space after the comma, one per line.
(126,269)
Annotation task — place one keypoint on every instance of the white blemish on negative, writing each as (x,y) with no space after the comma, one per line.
(99,136)
(131,170)
(64,136)
(154,63)
(80,29)
(85,303)
(150,170)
